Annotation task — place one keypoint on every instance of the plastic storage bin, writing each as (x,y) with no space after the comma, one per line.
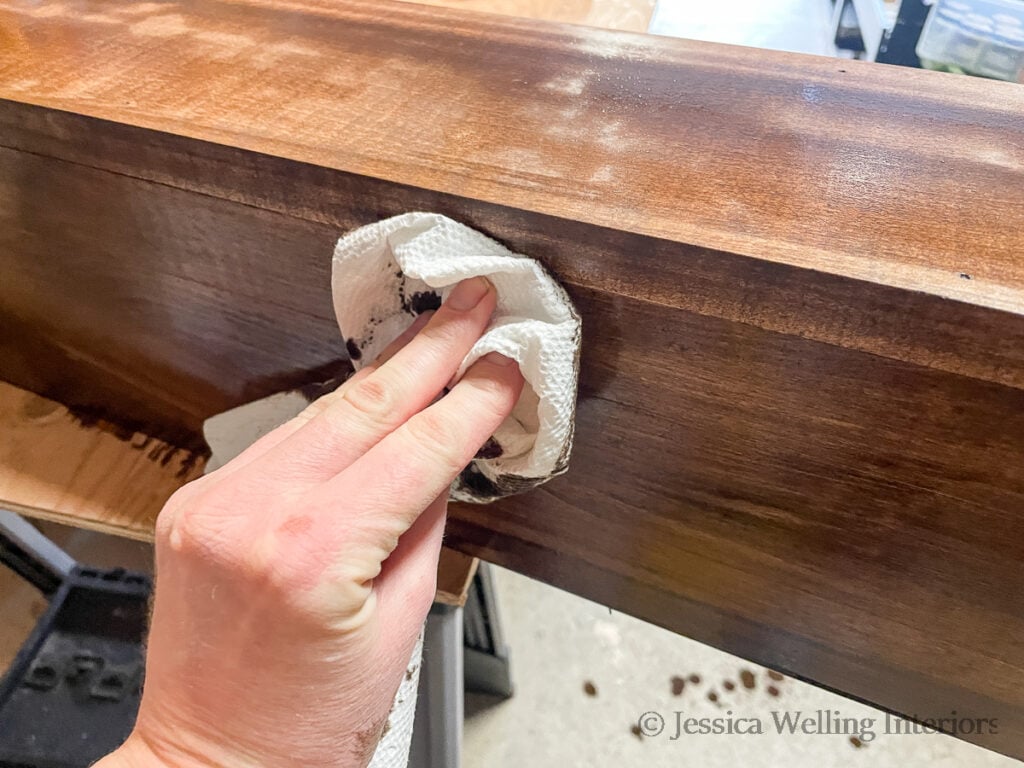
(978,37)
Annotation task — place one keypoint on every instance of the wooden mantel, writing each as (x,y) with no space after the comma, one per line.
(800,431)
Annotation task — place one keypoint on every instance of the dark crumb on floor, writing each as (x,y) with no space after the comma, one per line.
(354,352)
(965,276)
(695,679)
(635,730)
(678,684)
(747,678)
(729,685)
(773,691)
(857,743)
(775,675)
(589,688)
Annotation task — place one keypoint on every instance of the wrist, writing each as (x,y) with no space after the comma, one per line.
(136,752)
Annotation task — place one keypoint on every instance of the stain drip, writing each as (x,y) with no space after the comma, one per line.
(190,452)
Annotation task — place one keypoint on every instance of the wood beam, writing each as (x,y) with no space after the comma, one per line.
(800,433)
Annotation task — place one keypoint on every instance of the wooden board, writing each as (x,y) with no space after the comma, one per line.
(104,478)
(55,467)
(800,432)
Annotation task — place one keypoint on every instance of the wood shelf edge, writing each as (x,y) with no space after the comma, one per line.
(53,467)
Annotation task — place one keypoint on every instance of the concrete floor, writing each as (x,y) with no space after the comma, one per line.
(584,676)
(560,643)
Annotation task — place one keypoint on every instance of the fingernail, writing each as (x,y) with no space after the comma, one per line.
(468,293)
(496,358)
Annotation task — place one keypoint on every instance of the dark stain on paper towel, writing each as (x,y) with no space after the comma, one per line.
(354,352)
(422,301)
(490,450)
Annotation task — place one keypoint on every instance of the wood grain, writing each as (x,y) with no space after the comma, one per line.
(800,433)
(800,160)
(55,467)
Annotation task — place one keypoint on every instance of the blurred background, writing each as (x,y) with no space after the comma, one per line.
(975,37)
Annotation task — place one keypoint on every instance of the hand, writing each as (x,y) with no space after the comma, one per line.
(292,583)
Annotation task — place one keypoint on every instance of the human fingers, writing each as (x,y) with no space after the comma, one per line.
(347,423)
(288,428)
(391,484)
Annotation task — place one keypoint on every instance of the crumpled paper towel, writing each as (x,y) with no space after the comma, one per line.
(387,273)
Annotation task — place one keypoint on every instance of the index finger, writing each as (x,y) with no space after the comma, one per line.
(350,421)
(388,487)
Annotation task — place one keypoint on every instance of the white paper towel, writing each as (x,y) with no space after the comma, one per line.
(385,274)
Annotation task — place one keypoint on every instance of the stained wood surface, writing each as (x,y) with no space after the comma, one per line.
(801,160)
(800,434)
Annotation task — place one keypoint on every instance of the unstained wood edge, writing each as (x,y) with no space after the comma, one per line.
(19,473)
